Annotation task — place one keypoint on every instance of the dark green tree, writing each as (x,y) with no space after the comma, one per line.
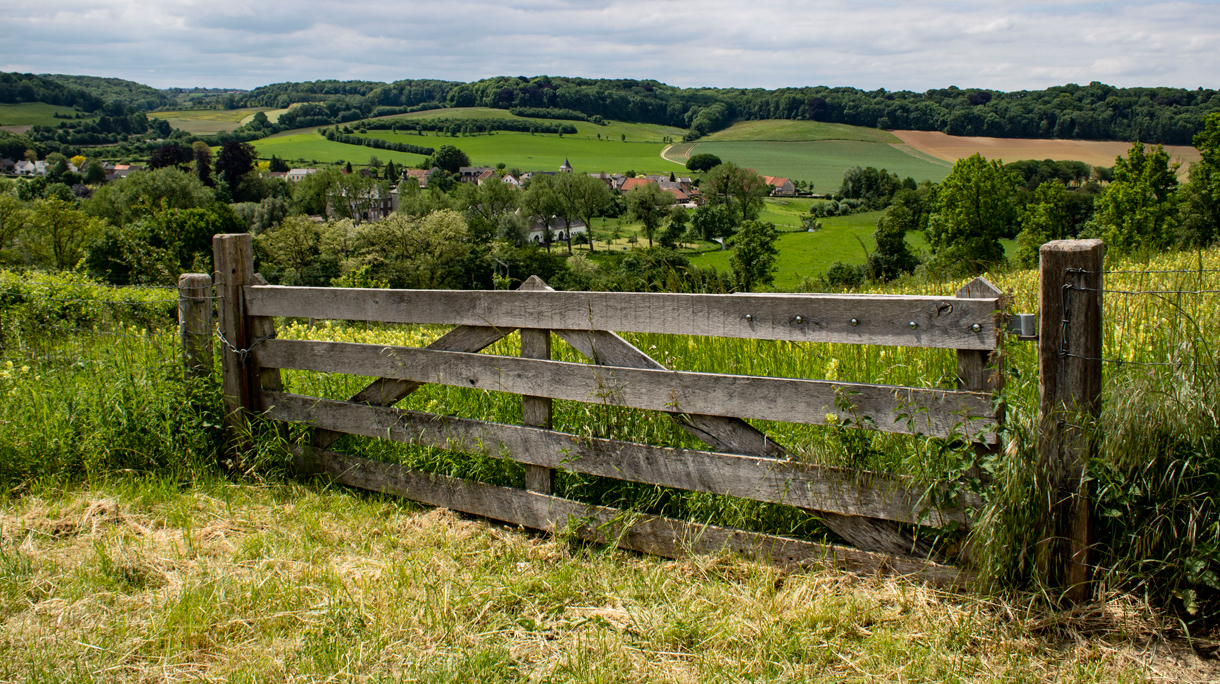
(649,205)
(1201,197)
(235,160)
(739,187)
(1046,218)
(277,165)
(974,206)
(753,257)
(892,257)
(203,162)
(1138,211)
(449,158)
(702,162)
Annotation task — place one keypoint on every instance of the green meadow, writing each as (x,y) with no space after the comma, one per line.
(32,114)
(803,254)
(313,148)
(822,161)
(802,150)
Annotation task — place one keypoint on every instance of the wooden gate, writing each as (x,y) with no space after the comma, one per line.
(874,511)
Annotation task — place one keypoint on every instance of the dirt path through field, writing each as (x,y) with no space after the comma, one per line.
(1094,152)
(681,153)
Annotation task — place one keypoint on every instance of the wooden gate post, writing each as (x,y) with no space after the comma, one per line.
(195,323)
(233,257)
(536,411)
(1070,369)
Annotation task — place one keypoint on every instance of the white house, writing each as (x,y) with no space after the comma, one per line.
(559,232)
(295,175)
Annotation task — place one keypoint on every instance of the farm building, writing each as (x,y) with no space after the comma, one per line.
(780,187)
(295,175)
(559,231)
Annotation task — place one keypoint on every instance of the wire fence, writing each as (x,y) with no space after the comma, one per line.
(1169,323)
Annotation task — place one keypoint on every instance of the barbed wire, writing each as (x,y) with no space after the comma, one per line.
(1123,362)
(1139,272)
(1143,292)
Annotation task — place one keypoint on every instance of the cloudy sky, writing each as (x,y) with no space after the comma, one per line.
(894,44)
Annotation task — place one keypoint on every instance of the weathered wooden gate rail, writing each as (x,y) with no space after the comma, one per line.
(868,509)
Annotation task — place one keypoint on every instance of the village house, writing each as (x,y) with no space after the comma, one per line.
(559,231)
(471,174)
(511,180)
(780,187)
(8,166)
(486,176)
(295,175)
(372,207)
(28,168)
(420,176)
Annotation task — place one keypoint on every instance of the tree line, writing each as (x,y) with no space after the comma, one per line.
(1093,111)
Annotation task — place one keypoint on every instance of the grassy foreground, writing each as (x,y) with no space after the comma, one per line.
(139,580)
(126,556)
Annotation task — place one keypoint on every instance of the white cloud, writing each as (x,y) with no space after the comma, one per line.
(896,44)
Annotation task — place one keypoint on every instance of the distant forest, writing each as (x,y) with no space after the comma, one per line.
(1093,112)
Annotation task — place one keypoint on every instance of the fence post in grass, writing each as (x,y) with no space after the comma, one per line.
(1069,379)
(536,411)
(195,323)
(233,257)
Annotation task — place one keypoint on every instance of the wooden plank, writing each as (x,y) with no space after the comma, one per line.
(388,391)
(268,379)
(942,322)
(536,411)
(233,256)
(195,323)
(1069,375)
(736,436)
(721,433)
(639,532)
(934,412)
(822,488)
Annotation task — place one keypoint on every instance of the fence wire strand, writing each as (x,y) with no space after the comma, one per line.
(1160,294)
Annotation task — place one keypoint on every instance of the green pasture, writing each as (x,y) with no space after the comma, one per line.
(787,130)
(822,162)
(32,114)
(314,148)
(804,254)
(545,152)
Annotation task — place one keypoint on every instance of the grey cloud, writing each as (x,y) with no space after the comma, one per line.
(898,44)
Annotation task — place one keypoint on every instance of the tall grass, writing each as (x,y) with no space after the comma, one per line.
(91,384)
(82,403)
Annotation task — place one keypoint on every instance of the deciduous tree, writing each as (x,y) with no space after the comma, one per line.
(1138,211)
(974,206)
(649,205)
(753,257)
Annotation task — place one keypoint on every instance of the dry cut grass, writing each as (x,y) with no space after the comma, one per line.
(141,581)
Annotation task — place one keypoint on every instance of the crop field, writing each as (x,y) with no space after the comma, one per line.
(32,114)
(1093,152)
(788,130)
(312,147)
(822,162)
(205,121)
(635,132)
